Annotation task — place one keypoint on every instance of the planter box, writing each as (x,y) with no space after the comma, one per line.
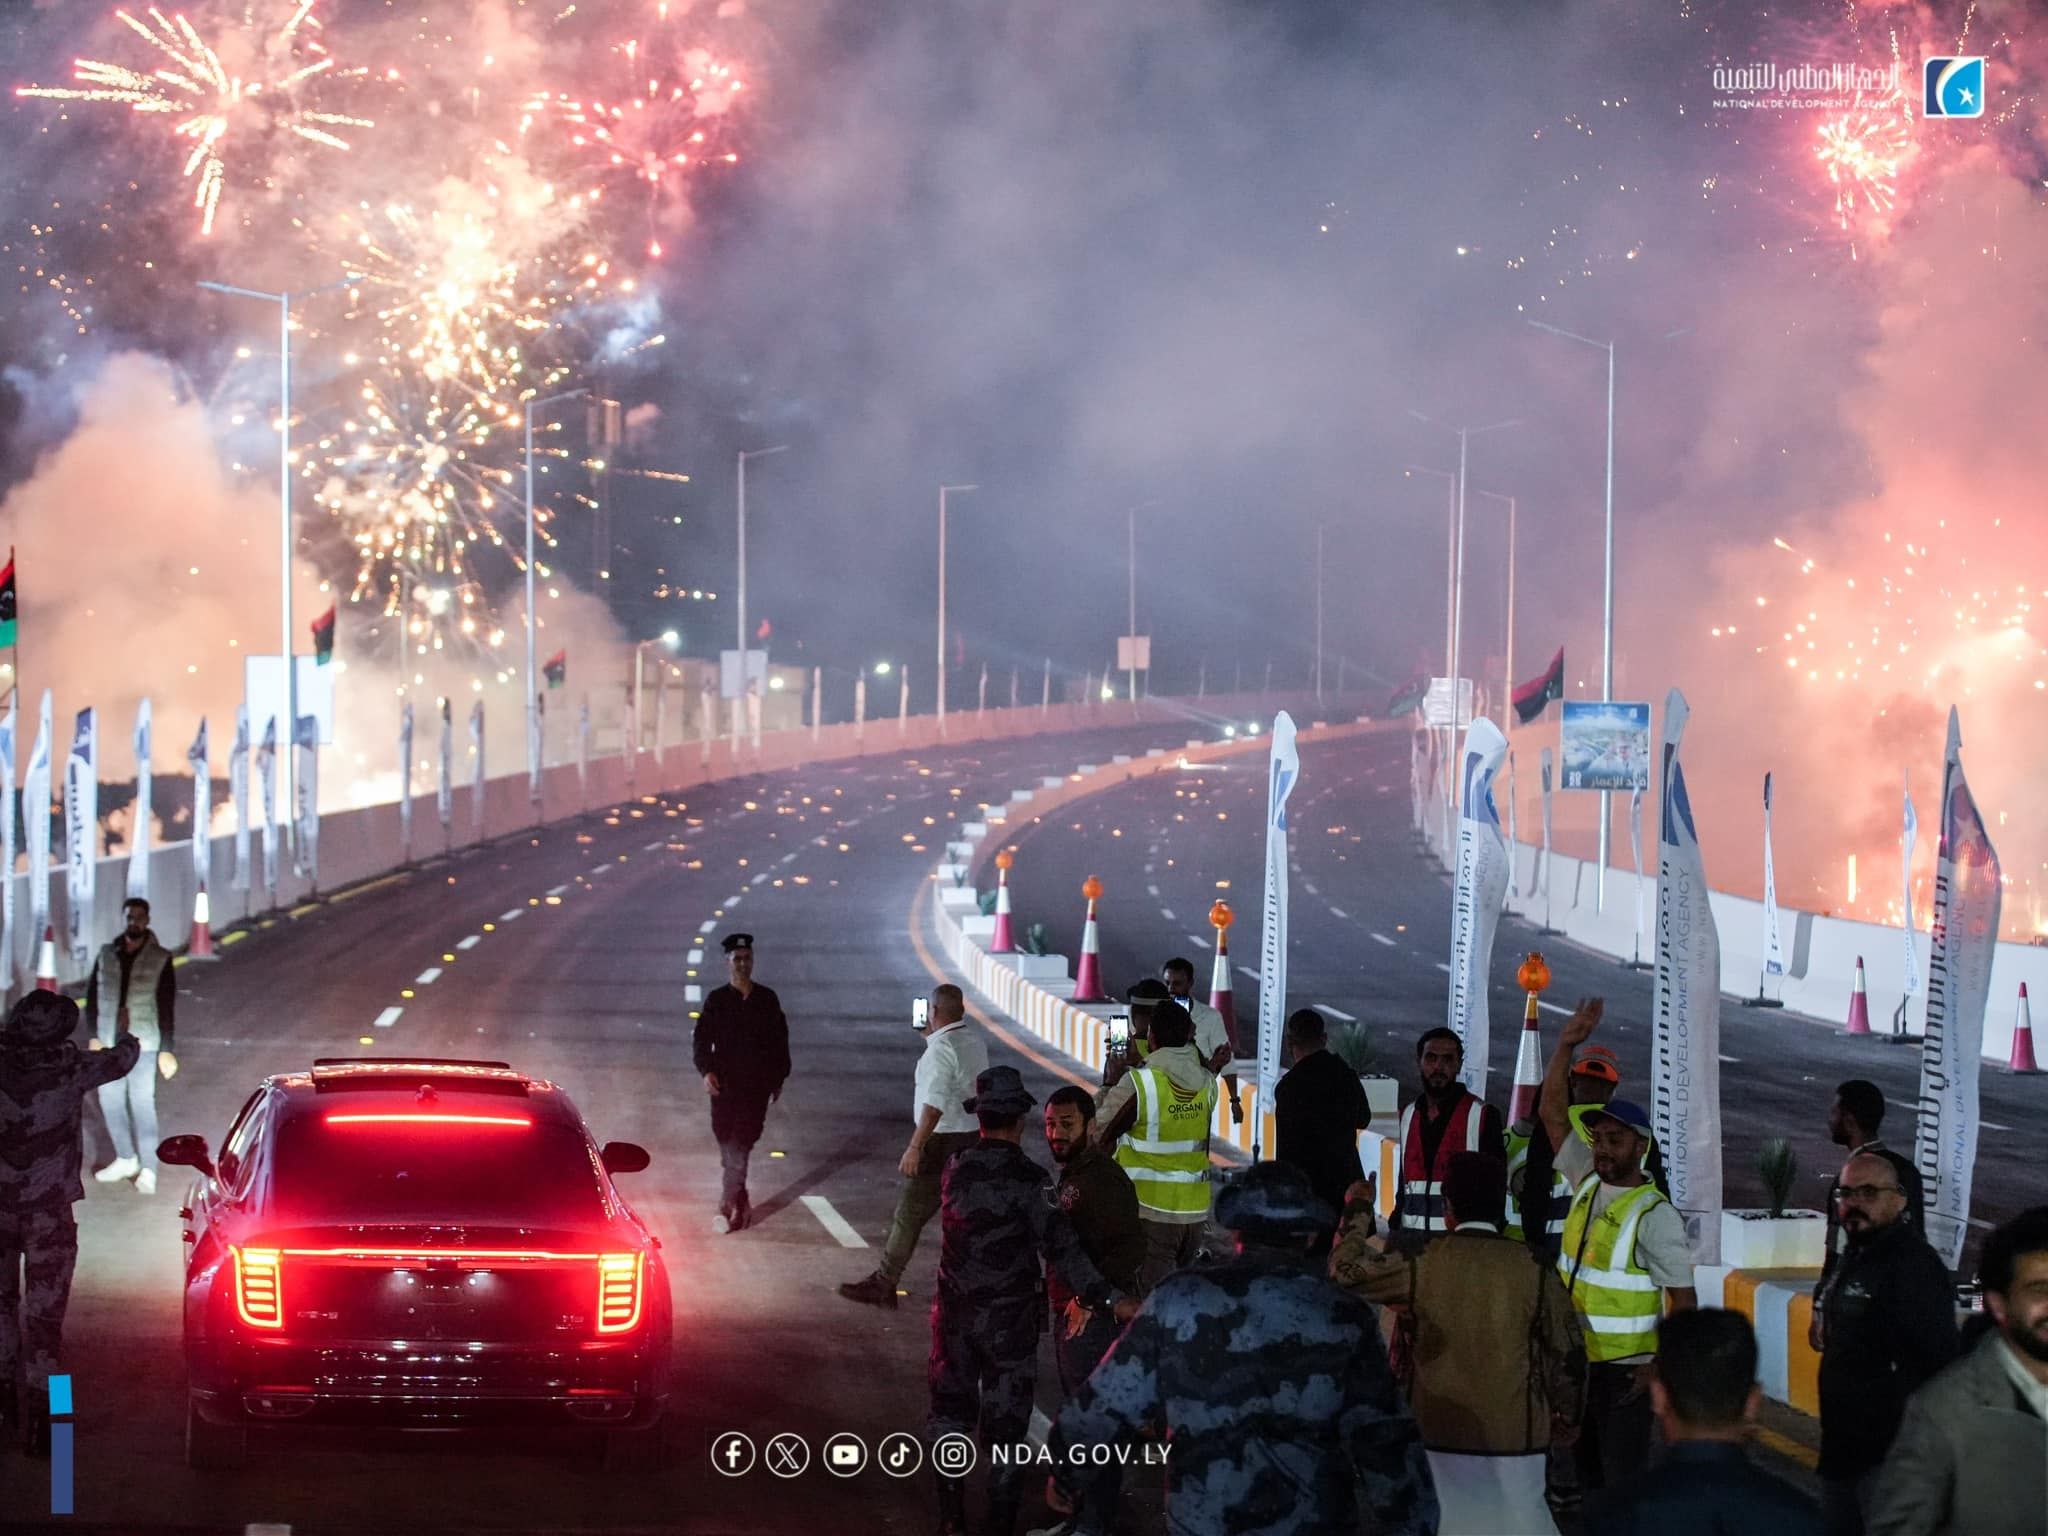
(959,852)
(974,829)
(959,898)
(1383,1095)
(1754,1240)
(976,926)
(952,874)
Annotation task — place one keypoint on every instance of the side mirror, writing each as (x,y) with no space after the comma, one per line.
(624,1157)
(185,1151)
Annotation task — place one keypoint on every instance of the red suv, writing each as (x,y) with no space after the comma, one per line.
(420,1244)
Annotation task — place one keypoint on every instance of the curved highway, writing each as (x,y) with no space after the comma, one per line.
(573,954)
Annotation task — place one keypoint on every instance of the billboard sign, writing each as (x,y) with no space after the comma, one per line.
(1605,745)
(1436,704)
(1134,653)
(732,684)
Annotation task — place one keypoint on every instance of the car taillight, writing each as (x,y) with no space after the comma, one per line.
(259,1286)
(618,1292)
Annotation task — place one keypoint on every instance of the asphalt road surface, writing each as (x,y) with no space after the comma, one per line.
(1371,924)
(568,954)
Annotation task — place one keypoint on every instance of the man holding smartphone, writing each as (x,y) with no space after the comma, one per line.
(954,1056)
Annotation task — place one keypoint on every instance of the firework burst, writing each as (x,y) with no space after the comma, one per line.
(212,107)
(1862,151)
(663,127)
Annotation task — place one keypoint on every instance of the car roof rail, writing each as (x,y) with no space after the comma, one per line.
(333,1073)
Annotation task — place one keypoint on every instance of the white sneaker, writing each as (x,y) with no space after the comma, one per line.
(145,1182)
(120,1168)
(721,1222)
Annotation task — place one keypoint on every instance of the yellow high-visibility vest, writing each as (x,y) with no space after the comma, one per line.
(1617,1301)
(1166,1152)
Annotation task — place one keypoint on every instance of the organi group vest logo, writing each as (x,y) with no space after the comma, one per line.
(1955,88)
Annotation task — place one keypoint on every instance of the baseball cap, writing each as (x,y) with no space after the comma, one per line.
(1631,1115)
(1597,1061)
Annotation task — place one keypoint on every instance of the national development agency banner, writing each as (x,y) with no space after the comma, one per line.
(1967,897)
(1685,1024)
(1283,770)
(1482,880)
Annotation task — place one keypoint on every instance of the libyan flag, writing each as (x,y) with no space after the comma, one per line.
(1533,697)
(323,637)
(556,671)
(7,604)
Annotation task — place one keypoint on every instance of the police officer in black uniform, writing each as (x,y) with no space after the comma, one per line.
(741,1048)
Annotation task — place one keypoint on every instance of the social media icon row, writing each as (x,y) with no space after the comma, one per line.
(846,1455)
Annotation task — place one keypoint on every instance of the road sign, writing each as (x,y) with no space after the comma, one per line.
(731,685)
(1605,745)
(1436,705)
(1134,653)
(264,691)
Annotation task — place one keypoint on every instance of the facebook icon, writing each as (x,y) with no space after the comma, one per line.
(733,1454)
(1955,88)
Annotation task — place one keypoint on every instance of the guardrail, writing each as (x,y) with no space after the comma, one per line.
(363,844)
(1820,951)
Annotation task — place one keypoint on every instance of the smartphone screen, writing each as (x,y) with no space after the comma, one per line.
(1119,1027)
(920,1013)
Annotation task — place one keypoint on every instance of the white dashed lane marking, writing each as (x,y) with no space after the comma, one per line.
(1381,938)
(833,1222)
(560,889)
(656,846)
(506,917)
(1167,913)
(706,926)
(693,993)
(1336,1013)
(1199,942)
(696,957)
(387,1018)
(471,942)
(758,879)
(427,977)
(1340,914)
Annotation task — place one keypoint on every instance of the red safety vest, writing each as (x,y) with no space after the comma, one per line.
(1421,1204)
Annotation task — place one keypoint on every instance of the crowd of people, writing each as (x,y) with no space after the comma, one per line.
(1516,1347)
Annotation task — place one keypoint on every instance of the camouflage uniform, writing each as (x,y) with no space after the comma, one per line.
(43,1081)
(999,1226)
(1281,1415)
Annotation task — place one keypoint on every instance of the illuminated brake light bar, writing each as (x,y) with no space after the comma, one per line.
(425,1119)
(618,1292)
(259,1285)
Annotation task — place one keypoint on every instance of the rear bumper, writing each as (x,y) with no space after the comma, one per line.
(605,1383)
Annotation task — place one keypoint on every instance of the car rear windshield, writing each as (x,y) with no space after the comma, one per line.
(329,1168)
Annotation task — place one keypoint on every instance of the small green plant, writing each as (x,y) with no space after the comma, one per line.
(1353,1046)
(1034,940)
(987,902)
(1778,1165)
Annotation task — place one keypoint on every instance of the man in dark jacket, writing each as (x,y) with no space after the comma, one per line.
(989,1308)
(43,1079)
(1891,1324)
(741,1048)
(1853,1118)
(1706,1396)
(1319,1108)
(1097,1197)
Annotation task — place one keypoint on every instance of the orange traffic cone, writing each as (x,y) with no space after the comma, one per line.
(201,947)
(1088,974)
(1859,1005)
(46,960)
(1220,998)
(2022,1058)
(1003,943)
(1528,1068)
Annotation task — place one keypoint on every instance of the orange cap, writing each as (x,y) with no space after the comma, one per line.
(1091,888)
(1005,859)
(1220,915)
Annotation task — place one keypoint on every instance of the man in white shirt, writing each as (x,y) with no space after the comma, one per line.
(954,1056)
(1212,1036)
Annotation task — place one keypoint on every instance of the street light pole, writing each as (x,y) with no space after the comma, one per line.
(739,700)
(1607,596)
(1508,644)
(1465,435)
(532,640)
(1319,613)
(944,491)
(283,301)
(1131,566)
